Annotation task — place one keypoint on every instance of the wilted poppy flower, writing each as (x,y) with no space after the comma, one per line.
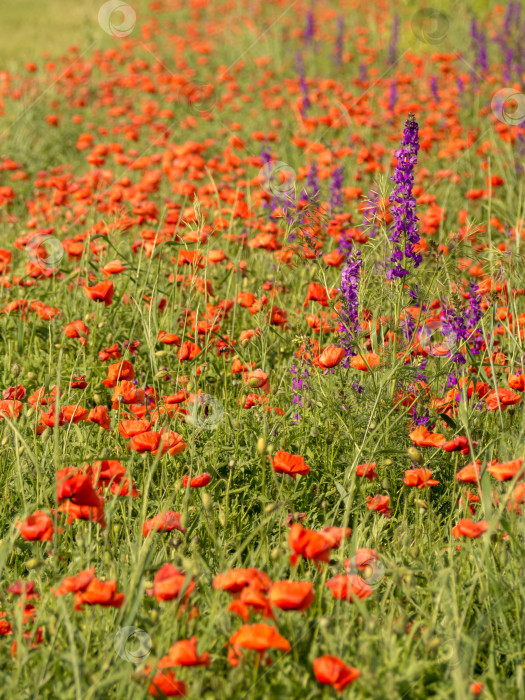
(468,528)
(102,292)
(346,587)
(184,653)
(286,463)
(292,595)
(38,526)
(163,522)
(198,481)
(170,583)
(330,670)
(501,398)
(506,470)
(308,544)
(419,477)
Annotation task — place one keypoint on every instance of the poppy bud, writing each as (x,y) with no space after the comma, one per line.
(107,558)
(101,324)
(33,563)
(434,644)
(261,445)
(190,386)
(58,346)
(275,553)
(161,353)
(373,425)
(270,449)
(253,382)
(415,455)
(109,338)
(222,517)
(153,614)
(15,370)
(270,507)
(4,441)
(163,372)
(207,502)
(31,375)
(236,424)
(422,504)
(245,342)
(386,484)
(231,464)
(46,435)
(184,520)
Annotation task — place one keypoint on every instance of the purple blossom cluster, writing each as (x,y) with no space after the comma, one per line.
(336,184)
(406,224)
(350,304)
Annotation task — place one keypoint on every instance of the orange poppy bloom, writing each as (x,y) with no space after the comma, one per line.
(346,587)
(235,580)
(365,361)
(330,357)
(119,372)
(74,584)
(198,481)
(130,428)
(506,470)
(308,544)
(166,685)
(76,486)
(366,470)
(38,526)
(506,398)
(517,382)
(286,463)
(330,670)
(77,329)
(184,653)
(292,595)
(468,528)
(259,637)
(171,583)
(163,522)
(100,415)
(419,477)
(422,437)
(379,503)
(102,292)
(99,593)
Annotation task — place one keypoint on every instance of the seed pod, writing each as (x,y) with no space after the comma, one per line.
(207,501)
(415,455)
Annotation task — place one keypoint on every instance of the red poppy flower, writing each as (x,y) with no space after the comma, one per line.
(330,670)
(346,587)
(422,437)
(419,477)
(506,470)
(292,595)
(170,583)
(286,463)
(184,653)
(468,528)
(366,470)
(501,398)
(102,292)
(235,580)
(38,526)
(198,481)
(163,522)
(308,544)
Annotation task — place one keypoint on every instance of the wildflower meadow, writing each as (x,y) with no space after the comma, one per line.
(262,323)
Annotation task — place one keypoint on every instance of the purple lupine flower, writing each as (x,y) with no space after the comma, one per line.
(349,325)
(479,45)
(392,96)
(460,84)
(338,53)
(394,38)
(434,88)
(363,72)
(312,182)
(309,31)
(305,104)
(406,223)
(336,183)
(301,382)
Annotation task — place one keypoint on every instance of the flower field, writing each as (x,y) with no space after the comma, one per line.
(262,322)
